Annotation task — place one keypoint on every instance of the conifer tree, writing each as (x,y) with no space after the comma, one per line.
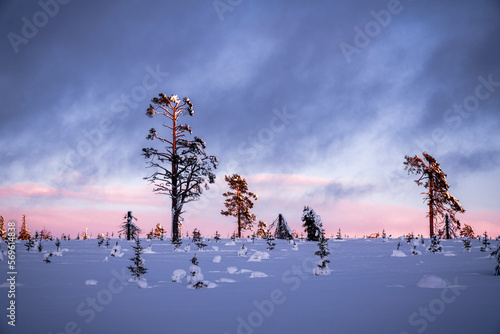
(3,234)
(339,235)
(467,244)
(437,197)
(323,252)
(312,224)
(486,243)
(239,202)
(183,169)
(496,255)
(137,268)
(262,229)
(270,242)
(129,228)
(217,236)
(29,244)
(24,233)
(159,231)
(435,245)
(58,245)
(467,231)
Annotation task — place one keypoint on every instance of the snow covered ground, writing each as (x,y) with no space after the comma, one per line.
(369,291)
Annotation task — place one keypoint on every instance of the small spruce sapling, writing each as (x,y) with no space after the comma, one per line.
(40,247)
(58,244)
(137,268)
(496,255)
(177,244)
(29,244)
(486,243)
(217,236)
(270,242)
(323,252)
(339,235)
(100,241)
(107,242)
(435,245)
(467,244)
(201,245)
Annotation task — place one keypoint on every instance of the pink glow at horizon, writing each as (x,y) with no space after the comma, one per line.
(101,209)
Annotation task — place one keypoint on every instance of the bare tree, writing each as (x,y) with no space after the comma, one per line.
(437,197)
(183,168)
(239,202)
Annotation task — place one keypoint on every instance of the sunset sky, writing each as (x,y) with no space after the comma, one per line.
(313,102)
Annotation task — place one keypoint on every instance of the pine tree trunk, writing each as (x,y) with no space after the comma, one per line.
(447,225)
(431,209)
(175,197)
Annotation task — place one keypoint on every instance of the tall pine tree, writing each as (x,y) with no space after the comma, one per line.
(182,167)
(239,202)
(437,197)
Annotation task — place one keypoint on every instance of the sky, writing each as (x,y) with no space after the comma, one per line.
(313,102)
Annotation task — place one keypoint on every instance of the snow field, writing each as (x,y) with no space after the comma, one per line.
(368,291)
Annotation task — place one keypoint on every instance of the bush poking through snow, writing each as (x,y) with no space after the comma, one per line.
(243,251)
(496,255)
(58,244)
(46,257)
(195,278)
(414,251)
(137,268)
(435,245)
(116,251)
(323,252)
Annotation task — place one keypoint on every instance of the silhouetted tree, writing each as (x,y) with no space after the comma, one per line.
(282,230)
(183,168)
(437,197)
(239,202)
(129,228)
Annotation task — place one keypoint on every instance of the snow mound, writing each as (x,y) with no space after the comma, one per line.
(431,282)
(398,253)
(257,274)
(91,282)
(449,254)
(142,283)
(226,280)
(148,250)
(230,243)
(215,248)
(105,259)
(178,275)
(416,252)
(255,258)
(187,249)
(232,270)
(64,250)
(57,253)
(217,259)
(242,271)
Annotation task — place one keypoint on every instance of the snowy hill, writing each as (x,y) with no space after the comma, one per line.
(369,291)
